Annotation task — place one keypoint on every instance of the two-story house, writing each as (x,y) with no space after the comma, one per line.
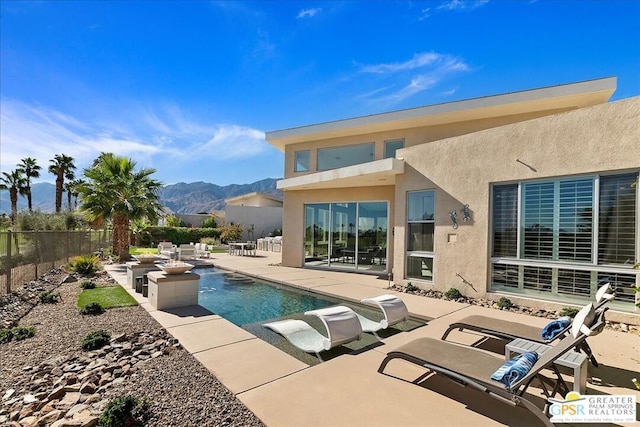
(527,193)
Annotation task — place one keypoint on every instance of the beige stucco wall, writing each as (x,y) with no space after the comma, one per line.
(595,139)
(293,218)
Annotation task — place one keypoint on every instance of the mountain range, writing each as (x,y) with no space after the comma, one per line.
(185,198)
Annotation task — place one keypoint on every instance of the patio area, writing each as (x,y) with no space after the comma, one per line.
(348,390)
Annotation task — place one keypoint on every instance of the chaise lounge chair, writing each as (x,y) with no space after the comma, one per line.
(508,331)
(341,323)
(474,368)
(394,309)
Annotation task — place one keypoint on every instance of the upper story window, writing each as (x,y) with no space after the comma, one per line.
(303,159)
(340,157)
(390,147)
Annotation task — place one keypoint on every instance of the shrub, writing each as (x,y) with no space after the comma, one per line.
(174,221)
(125,411)
(411,287)
(22,333)
(88,284)
(231,232)
(85,264)
(504,303)
(93,309)
(95,340)
(48,297)
(569,311)
(6,335)
(18,333)
(453,294)
(209,222)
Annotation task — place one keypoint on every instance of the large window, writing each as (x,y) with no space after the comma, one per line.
(565,236)
(347,235)
(420,232)
(340,157)
(303,160)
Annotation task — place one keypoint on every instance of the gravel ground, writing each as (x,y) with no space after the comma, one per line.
(182,391)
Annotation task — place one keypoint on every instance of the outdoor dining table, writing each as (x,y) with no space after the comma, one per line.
(238,248)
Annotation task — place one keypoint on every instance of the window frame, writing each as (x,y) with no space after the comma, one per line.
(410,254)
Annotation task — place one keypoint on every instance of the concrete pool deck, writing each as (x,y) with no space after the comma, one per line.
(348,390)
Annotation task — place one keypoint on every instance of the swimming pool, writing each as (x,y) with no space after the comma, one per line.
(243,300)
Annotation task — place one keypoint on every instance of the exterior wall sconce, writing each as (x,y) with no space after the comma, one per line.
(466,215)
(454,219)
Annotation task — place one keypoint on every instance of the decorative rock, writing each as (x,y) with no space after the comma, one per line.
(29,398)
(67,423)
(30,421)
(88,388)
(76,409)
(7,395)
(70,399)
(56,393)
(51,417)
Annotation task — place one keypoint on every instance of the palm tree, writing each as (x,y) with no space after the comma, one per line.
(116,192)
(61,166)
(72,190)
(30,169)
(68,187)
(16,184)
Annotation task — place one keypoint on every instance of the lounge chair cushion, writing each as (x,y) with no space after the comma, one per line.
(515,369)
(553,328)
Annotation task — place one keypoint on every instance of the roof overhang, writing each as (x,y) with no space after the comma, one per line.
(551,99)
(370,174)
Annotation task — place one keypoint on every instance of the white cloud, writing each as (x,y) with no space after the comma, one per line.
(424,14)
(419,60)
(402,80)
(233,141)
(308,13)
(462,4)
(144,134)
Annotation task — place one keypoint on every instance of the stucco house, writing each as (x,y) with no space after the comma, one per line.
(259,213)
(526,194)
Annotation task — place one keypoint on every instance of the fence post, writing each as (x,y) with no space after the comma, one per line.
(9,261)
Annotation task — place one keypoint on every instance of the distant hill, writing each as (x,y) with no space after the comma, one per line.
(203,197)
(183,198)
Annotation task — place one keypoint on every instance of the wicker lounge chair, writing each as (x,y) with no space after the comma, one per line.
(394,309)
(473,368)
(341,323)
(508,331)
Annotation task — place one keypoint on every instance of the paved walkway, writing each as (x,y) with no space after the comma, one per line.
(348,390)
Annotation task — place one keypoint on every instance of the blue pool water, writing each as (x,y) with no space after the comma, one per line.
(243,300)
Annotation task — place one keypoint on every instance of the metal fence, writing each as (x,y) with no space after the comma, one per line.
(24,255)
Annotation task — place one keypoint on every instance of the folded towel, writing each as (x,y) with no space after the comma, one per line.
(554,327)
(515,369)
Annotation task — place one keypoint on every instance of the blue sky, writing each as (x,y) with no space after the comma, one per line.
(190,87)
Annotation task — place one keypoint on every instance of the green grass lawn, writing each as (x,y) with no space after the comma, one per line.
(107,297)
(134,250)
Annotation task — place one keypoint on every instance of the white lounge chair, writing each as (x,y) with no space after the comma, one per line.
(394,309)
(186,251)
(341,323)
(167,249)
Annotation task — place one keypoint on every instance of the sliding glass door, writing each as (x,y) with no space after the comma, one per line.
(347,235)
